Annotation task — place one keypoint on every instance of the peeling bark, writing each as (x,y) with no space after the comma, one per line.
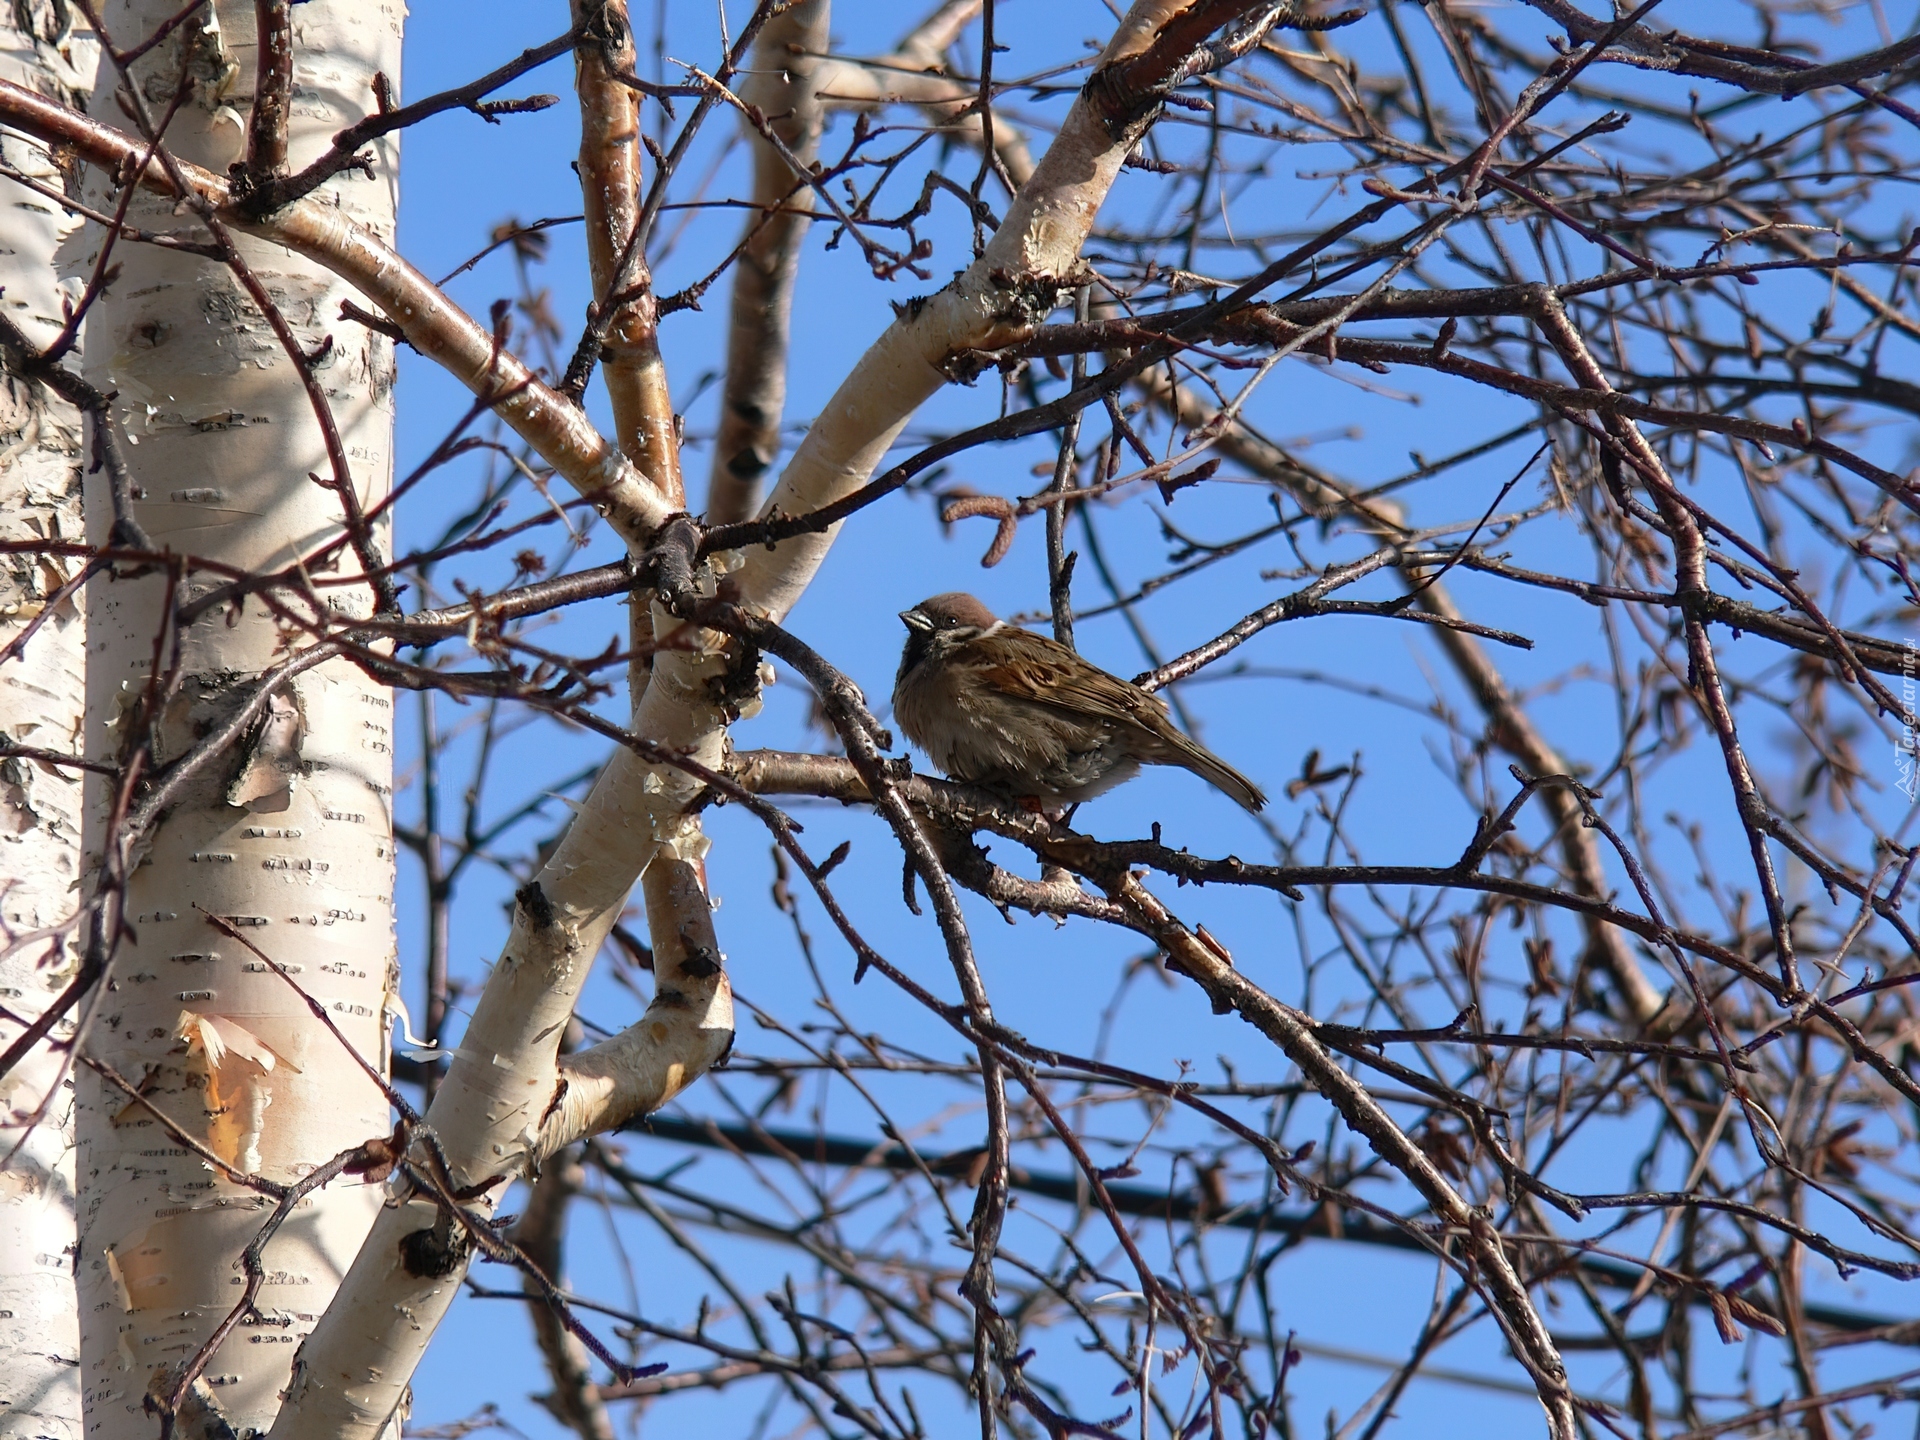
(492,1111)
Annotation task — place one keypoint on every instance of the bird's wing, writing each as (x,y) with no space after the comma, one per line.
(1042,671)
(1048,675)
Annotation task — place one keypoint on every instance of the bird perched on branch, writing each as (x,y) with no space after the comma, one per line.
(1002,707)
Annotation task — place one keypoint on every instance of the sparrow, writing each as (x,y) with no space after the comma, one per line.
(1001,707)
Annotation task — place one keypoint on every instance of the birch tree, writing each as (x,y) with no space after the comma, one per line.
(1627,1087)
(213,369)
(44,49)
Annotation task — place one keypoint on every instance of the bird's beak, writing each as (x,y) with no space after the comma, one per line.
(915,620)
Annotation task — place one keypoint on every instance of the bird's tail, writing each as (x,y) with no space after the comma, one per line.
(1217,773)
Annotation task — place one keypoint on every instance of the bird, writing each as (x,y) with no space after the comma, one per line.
(994,705)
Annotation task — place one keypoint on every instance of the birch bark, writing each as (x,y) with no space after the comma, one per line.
(291,839)
(41,445)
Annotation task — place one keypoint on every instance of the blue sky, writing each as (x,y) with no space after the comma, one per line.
(461,177)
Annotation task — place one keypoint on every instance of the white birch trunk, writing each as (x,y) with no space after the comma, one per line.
(290,836)
(41,445)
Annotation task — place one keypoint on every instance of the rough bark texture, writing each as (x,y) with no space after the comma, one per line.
(290,840)
(41,446)
(1508,1065)
(493,1111)
(558,430)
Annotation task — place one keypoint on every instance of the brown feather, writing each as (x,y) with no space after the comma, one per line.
(1057,714)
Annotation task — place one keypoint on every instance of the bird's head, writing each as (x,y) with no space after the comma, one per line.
(941,621)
